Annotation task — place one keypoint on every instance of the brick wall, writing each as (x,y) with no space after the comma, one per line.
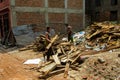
(76,21)
(56,3)
(55,20)
(105,16)
(56,17)
(30,3)
(30,18)
(75,4)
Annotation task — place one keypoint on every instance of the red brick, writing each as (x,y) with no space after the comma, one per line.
(30,18)
(76,20)
(75,4)
(56,3)
(58,27)
(29,3)
(104,16)
(56,17)
(57,21)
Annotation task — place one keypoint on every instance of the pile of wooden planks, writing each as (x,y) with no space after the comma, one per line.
(65,55)
(103,34)
(37,45)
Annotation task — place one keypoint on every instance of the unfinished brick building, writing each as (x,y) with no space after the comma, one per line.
(103,10)
(41,13)
(54,13)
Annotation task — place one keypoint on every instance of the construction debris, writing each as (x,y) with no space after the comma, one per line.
(99,37)
(102,35)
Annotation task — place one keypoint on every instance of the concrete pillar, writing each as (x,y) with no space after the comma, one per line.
(66,13)
(12,2)
(83,14)
(46,13)
(119,11)
(13,14)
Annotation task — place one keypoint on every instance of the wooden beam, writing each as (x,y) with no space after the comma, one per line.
(48,68)
(63,50)
(66,70)
(56,59)
(52,41)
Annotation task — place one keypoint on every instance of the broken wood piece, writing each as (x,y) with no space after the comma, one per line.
(26,48)
(52,73)
(23,49)
(66,58)
(75,54)
(65,43)
(57,71)
(117,34)
(76,59)
(66,70)
(71,51)
(59,51)
(52,41)
(67,64)
(109,38)
(97,32)
(62,50)
(56,59)
(48,68)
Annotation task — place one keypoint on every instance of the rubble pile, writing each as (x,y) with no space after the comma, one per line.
(102,67)
(68,56)
(38,44)
(103,35)
(64,55)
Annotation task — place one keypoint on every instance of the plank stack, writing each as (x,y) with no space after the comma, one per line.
(103,35)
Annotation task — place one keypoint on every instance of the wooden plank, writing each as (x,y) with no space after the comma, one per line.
(66,70)
(59,51)
(57,71)
(71,51)
(62,50)
(65,43)
(27,48)
(76,59)
(109,39)
(53,73)
(48,68)
(75,54)
(56,59)
(52,41)
(97,32)
(117,34)
(67,64)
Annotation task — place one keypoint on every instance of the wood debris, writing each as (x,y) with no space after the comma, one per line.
(103,35)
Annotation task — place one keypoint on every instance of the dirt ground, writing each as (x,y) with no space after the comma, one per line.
(104,66)
(12,67)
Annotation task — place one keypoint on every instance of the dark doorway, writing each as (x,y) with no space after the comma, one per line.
(113,15)
(6,34)
(98,3)
(114,2)
(6,28)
